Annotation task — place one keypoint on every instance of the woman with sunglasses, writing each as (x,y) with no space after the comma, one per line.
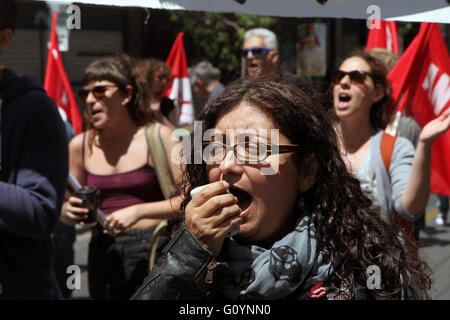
(112,155)
(272,168)
(362,97)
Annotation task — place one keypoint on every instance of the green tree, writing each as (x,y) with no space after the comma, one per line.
(404,28)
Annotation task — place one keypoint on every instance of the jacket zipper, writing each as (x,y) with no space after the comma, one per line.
(210,270)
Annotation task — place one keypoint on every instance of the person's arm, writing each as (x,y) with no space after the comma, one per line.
(70,213)
(190,263)
(417,191)
(31,206)
(415,196)
(125,218)
(183,272)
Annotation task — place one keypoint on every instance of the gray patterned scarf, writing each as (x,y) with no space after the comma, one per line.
(274,273)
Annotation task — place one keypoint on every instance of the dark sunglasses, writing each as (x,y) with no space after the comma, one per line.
(358,76)
(97,91)
(256,51)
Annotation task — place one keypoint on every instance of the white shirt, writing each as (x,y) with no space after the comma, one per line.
(366,177)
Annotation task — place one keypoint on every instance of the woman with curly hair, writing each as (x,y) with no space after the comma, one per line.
(362,98)
(155,74)
(272,168)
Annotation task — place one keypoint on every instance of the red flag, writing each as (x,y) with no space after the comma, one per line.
(383,37)
(179,87)
(421,82)
(57,84)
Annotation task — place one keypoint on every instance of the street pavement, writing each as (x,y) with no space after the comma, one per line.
(434,248)
(81,247)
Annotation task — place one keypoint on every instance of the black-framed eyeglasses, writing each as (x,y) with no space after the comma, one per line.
(245,152)
(358,76)
(256,51)
(97,91)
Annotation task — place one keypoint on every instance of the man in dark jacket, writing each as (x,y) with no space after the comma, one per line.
(205,81)
(33,175)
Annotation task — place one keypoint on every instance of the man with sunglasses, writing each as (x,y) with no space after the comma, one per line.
(33,175)
(260,50)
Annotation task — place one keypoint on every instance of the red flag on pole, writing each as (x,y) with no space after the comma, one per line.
(383,37)
(179,87)
(57,84)
(421,84)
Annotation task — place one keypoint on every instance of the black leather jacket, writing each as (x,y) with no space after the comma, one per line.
(182,273)
(188,271)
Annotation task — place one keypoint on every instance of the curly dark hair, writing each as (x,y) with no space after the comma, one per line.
(147,68)
(119,69)
(381,111)
(349,228)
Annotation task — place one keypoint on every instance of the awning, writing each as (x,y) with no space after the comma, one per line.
(400,10)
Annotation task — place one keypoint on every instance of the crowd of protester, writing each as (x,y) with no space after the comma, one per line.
(314,204)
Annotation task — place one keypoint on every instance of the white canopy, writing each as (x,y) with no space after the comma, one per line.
(400,10)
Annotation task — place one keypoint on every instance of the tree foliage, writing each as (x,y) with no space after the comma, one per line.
(404,27)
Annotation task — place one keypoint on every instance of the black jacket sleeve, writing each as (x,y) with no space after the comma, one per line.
(37,151)
(182,273)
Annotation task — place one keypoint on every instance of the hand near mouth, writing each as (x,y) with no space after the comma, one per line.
(212,214)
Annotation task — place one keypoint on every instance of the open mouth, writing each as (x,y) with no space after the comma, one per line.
(343,97)
(244,199)
(252,67)
(94,112)
(343,101)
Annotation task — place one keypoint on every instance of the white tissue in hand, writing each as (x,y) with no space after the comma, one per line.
(196,190)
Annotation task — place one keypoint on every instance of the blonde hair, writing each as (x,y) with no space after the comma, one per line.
(388,57)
